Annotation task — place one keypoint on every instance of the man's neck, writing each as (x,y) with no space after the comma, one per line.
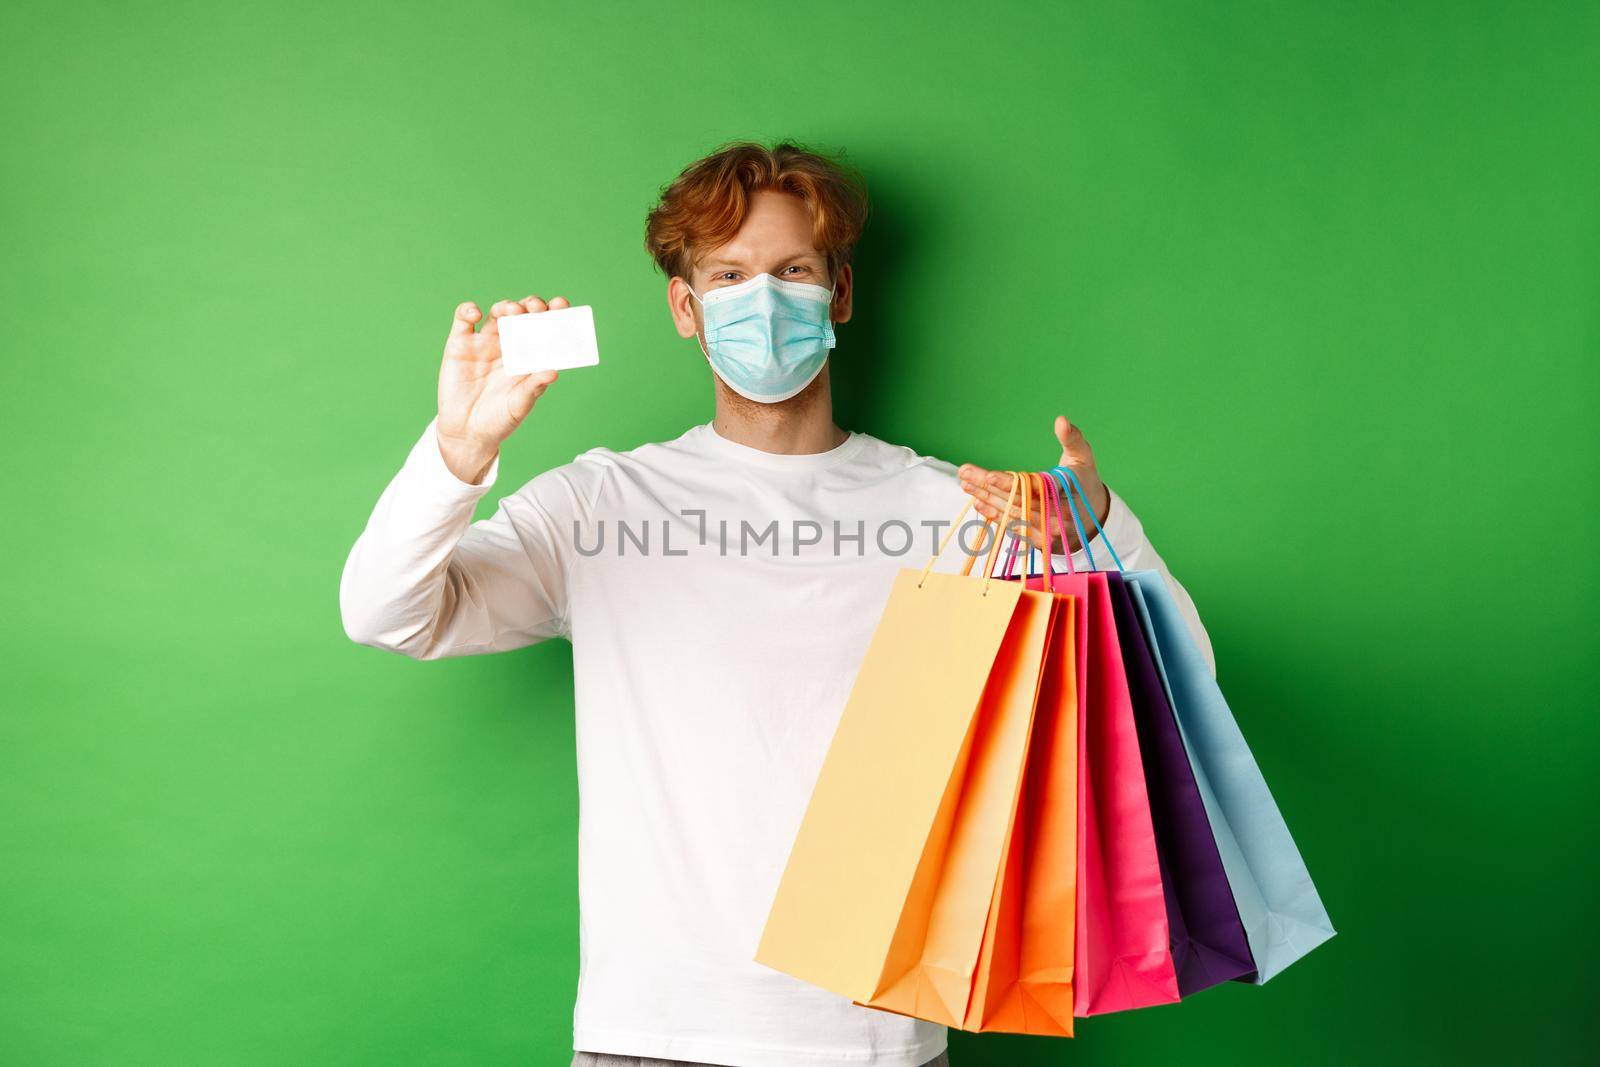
(800,426)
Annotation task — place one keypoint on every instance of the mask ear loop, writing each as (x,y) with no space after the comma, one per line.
(697,338)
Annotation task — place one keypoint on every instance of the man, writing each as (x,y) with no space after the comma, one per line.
(719,591)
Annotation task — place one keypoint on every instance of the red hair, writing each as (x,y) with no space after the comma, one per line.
(706,204)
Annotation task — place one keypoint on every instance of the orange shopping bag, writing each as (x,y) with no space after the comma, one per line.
(937,817)
(1026,970)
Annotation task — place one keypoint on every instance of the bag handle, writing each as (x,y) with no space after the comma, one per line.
(1011,549)
(1063,474)
(1045,565)
(1077,523)
(1048,567)
(1050,508)
(990,556)
(1000,525)
(1049,486)
(1036,482)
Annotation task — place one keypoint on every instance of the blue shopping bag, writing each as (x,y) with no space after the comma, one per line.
(1282,914)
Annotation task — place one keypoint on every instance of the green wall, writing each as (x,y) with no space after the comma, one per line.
(1318,280)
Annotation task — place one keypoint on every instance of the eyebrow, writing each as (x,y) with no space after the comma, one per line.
(722,264)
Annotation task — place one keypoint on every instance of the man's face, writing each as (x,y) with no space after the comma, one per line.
(775,239)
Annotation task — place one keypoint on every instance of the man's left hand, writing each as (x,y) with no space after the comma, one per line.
(989,489)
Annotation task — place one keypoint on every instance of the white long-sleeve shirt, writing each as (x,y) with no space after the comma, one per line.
(719,600)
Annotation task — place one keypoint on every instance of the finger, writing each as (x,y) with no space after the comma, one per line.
(989,484)
(557,302)
(971,476)
(1030,530)
(533,303)
(1002,486)
(501,309)
(986,509)
(992,503)
(993,489)
(987,494)
(1075,450)
(999,479)
(1063,431)
(467,315)
(526,391)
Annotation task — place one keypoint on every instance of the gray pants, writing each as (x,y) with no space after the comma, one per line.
(605,1059)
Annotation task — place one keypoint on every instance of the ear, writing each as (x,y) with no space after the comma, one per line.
(681,303)
(842,295)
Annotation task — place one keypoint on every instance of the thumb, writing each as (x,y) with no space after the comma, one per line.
(526,390)
(1064,435)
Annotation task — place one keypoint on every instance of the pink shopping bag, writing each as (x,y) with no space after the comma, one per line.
(1124,958)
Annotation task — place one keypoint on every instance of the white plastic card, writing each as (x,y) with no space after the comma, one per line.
(548,340)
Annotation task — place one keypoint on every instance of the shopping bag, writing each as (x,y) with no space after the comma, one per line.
(1019,983)
(1025,973)
(1208,939)
(888,892)
(1282,914)
(1018,915)
(1025,969)
(1124,955)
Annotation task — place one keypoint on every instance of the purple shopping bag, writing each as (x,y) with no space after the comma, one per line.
(1209,945)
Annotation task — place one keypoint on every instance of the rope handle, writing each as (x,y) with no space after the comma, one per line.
(1050,509)
(1063,474)
(1054,497)
(990,556)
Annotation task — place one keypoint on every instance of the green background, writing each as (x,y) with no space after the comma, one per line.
(1318,280)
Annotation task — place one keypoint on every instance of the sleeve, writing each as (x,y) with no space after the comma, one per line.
(426,581)
(1125,533)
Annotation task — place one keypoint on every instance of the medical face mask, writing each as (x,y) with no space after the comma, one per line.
(766,338)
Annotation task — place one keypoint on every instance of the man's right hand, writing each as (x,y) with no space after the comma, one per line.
(479,403)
